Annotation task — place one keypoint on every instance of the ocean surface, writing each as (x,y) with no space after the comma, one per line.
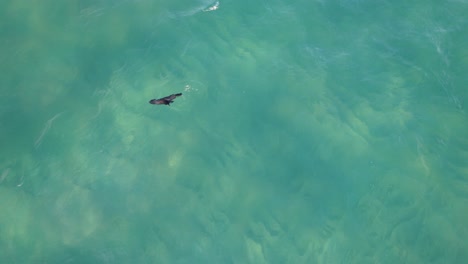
(309,131)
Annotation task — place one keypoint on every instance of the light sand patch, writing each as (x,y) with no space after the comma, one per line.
(4,174)
(76,215)
(254,251)
(16,215)
(175,158)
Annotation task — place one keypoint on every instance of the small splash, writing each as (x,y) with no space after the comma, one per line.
(188,88)
(192,11)
(214,7)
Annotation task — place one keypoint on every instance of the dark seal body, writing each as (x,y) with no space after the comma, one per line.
(165,100)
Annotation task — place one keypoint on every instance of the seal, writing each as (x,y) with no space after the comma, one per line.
(165,100)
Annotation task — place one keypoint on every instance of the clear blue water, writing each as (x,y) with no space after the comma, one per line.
(324,131)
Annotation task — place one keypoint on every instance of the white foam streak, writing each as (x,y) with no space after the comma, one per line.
(46,128)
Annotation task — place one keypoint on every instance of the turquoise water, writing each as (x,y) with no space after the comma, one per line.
(324,131)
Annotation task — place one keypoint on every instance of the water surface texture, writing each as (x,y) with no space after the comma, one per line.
(309,131)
